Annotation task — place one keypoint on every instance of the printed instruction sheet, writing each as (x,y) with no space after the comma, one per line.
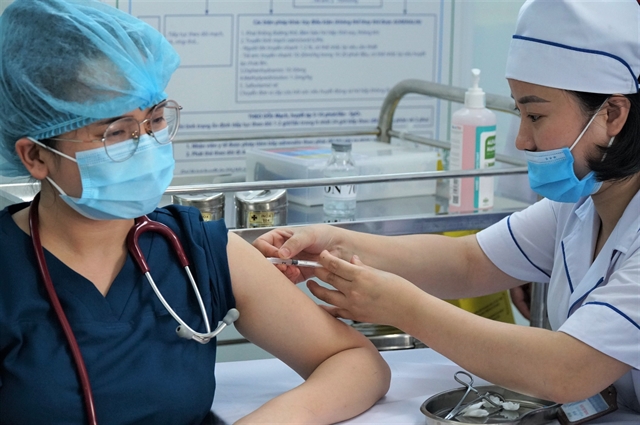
(268,66)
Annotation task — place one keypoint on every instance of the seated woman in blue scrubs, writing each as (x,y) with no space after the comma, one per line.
(83,110)
(573,69)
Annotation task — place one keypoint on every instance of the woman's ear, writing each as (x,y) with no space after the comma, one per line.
(617,113)
(32,157)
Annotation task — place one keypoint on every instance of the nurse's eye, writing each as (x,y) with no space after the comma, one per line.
(517,111)
(533,118)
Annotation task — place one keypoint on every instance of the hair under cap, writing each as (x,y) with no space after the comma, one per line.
(67,63)
(581,45)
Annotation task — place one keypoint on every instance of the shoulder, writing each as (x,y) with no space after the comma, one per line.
(630,223)
(20,287)
(551,214)
(543,213)
(10,232)
(4,217)
(205,240)
(189,221)
(176,214)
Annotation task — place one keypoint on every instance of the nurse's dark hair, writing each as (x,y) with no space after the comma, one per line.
(623,157)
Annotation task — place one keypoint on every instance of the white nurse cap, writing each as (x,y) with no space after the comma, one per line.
(580,45)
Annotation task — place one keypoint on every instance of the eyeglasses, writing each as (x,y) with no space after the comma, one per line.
(121,137)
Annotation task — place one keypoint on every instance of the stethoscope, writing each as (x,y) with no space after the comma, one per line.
(142,225)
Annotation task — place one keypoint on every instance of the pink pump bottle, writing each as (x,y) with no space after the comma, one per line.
(473,146)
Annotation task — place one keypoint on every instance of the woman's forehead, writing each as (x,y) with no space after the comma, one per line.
(527,93)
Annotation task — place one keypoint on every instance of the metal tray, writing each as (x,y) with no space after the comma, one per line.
(393,342)
(533,411)
(373,329)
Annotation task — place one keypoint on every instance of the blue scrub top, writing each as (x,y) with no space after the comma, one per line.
(140,370)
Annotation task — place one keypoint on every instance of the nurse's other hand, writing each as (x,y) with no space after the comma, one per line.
(302,243)
(521,299)
(362,293)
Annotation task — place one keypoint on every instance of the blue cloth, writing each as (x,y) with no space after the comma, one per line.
(141,371)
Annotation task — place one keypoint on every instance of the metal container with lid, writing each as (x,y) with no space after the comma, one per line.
(211,206)
(261,208)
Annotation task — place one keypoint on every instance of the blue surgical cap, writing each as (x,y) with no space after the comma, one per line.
(67,63)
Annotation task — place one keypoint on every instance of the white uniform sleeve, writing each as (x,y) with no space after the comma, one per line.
(609,318)
(522,245)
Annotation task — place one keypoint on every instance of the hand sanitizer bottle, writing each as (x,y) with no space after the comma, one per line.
(473,146)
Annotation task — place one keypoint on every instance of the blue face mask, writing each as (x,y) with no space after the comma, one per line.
(551,173)
(121,190)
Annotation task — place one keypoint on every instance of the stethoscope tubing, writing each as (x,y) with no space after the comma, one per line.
(142,225)
(81,368)
(168,307)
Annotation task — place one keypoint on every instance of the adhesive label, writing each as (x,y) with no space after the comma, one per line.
(344,192)
(485,158)
(261,218)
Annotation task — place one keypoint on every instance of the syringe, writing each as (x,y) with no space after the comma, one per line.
(294,262)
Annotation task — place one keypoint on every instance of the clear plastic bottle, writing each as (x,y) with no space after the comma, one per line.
(340,200)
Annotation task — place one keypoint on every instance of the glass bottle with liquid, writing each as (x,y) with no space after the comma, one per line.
(340,200)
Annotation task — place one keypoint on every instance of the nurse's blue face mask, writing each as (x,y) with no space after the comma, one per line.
(551,173)
(123,189)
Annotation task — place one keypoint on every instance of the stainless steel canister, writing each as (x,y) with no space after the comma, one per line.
(211,206)
(261,208)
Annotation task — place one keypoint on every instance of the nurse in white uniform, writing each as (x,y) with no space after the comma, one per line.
(573,69)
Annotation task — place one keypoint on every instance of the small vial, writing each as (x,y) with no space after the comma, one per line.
(340,200)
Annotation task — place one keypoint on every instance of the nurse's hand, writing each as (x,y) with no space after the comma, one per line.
(363,293)
(521,298)
(302,243)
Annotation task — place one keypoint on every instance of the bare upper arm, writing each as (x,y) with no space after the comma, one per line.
(484,275)
(279,317)
(444,266)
